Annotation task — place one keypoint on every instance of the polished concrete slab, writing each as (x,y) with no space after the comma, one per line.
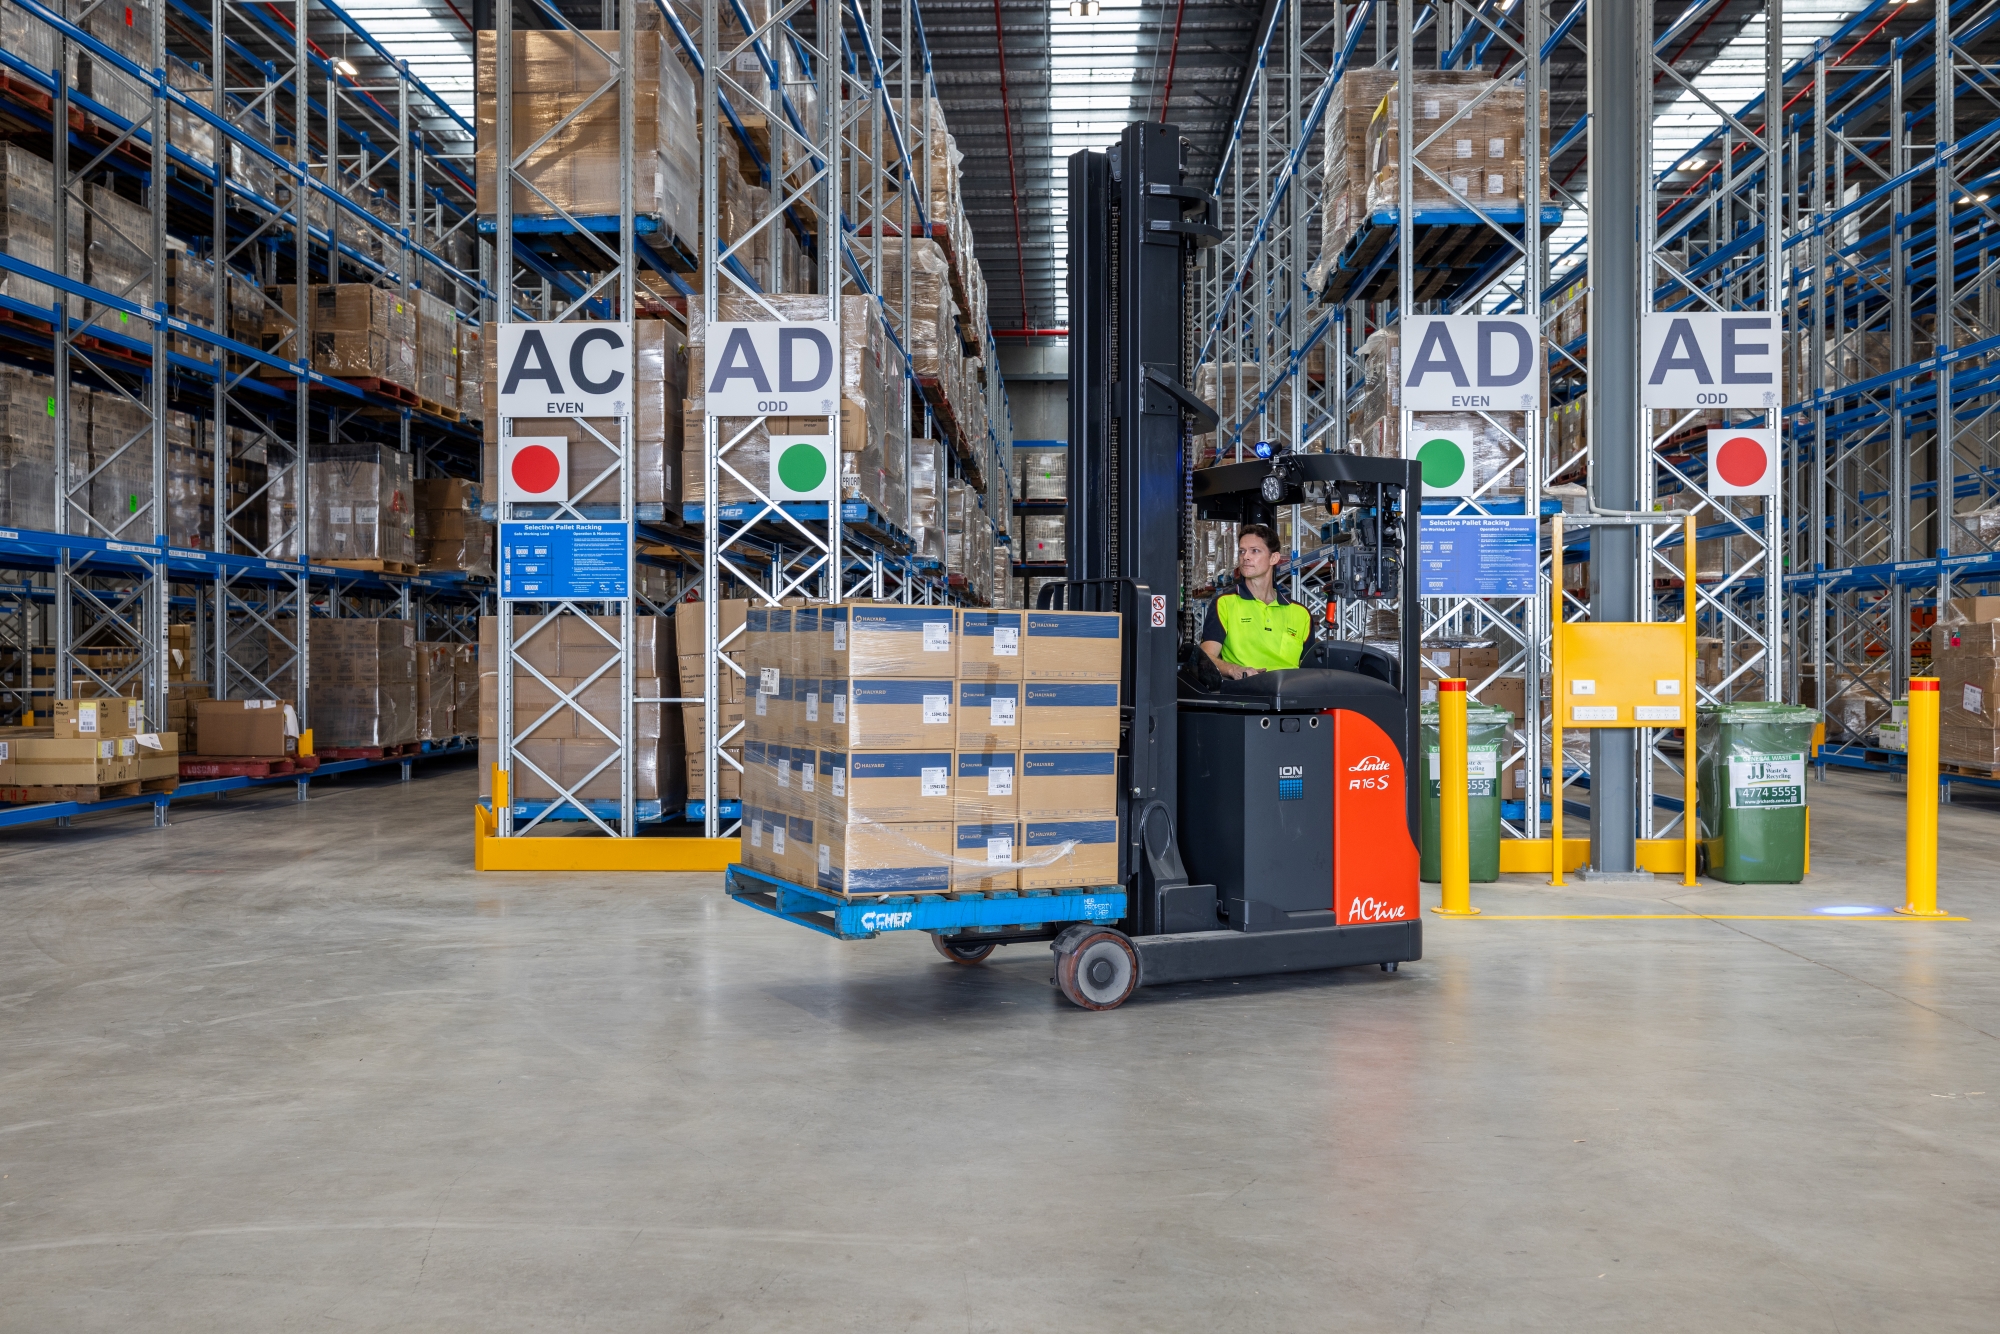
(281,1068)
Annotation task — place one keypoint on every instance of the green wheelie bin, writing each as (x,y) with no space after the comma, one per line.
(1486,731)
(1751,770)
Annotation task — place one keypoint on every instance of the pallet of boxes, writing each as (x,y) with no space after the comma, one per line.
(91,750)
(1965,657)
(895,750)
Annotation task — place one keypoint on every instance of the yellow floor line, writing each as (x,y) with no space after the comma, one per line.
(1704,917)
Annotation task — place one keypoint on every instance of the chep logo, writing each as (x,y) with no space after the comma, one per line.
(885,921)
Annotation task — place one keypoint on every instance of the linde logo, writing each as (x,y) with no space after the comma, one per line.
(1291,771)
(1370,764)
(885,921)
(1377,770)
(1374,910)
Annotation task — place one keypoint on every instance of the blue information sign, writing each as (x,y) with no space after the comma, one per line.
(1476,556)
(556,562)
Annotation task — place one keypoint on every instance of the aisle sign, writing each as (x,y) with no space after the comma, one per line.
(556,562)
(1470,363)
(773,368)
(1708,359)
(565,370)
(1476,555)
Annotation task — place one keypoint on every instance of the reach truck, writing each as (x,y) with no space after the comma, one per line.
(1266,825)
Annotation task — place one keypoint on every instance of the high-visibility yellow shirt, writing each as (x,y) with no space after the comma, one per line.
(1264,635)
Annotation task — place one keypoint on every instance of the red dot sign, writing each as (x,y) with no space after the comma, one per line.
(536,469)
(1742,461)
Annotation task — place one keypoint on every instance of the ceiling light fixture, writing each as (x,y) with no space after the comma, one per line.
(346,67)
(1083,9)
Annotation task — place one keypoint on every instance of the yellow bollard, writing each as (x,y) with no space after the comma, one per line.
(1920,819)
(1454,814)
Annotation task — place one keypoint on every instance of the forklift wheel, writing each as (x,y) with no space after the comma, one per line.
(1096,967)
(1700,858)
(958,953)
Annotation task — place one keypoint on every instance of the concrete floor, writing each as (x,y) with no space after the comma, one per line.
(282,1067)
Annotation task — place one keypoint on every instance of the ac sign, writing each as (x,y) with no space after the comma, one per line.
(772,368)
(565,370)
(1470,363)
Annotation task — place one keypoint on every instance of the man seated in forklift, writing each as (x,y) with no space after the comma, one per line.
(1255,628)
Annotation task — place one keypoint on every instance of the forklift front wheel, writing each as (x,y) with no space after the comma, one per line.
(1096,967)
(958,953)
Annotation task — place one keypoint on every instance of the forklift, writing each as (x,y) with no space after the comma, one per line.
(1268,824)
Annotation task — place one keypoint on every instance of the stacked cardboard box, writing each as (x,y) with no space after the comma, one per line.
(27,448)
(27,213)
(363,504)
(570,743)
(450,533)
(927,499)
(358,331)
(557,73)
(437,352)
(1968,672)
(894,749)
(363,682)
(247,729)
(437,690)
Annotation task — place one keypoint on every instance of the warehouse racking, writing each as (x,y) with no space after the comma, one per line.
(195,162)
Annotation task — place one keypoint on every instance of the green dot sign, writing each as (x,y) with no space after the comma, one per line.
(800,469)
(1446,458)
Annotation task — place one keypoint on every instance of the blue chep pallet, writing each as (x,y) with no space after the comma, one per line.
(865,919)
(726,810)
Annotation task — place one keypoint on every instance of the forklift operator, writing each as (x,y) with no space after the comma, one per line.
(1255,628)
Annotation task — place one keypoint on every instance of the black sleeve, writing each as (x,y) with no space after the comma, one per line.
(1211,628)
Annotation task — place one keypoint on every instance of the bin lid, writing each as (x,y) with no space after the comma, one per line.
(1757,711)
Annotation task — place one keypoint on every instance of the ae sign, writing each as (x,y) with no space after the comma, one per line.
(1708,359)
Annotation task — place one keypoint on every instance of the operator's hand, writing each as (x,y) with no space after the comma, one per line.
(1235,672)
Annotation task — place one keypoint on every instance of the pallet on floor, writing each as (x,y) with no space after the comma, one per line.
(44,793)
(237,766)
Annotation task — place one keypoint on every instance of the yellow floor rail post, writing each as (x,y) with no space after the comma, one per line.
(1921,811)
(1454,807)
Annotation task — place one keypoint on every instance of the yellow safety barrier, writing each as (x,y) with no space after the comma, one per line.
(492,853)
(1920,820)
(1454,809)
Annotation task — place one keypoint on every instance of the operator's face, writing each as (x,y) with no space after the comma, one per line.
(1253,558)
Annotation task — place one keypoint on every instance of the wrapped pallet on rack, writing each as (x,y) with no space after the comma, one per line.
(27,218)
(359,332)
(363,507)
(571,745)
(451,535)
(27,448)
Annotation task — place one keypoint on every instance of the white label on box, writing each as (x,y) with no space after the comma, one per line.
(1496,148)
(805,778)
(825,859)
(1000,851)
(1461,148)
(756,833)
(934,780)
(784,773)
(761,697)
(937,708)
(1594,713)
(840,708)
(291,722)
(127,747)
(1667,685)
(267,703)
(86,718)
(840,782)
(340,514)
(1430,108)
(840,636)
(1441,658)
(1000,782)
(1657,713)
(777,840)
(812,706)
(1006,641)
(367,514)
(767,680)
(1000,712)
(3,752)
(107,750)
(178,659)
(150,740)
(1975,700)
(937,636)
(1582,687)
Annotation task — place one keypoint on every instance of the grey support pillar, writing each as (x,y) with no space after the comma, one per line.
(1619,61)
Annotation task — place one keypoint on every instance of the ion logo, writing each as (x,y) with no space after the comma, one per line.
(1291,771)
(885,921)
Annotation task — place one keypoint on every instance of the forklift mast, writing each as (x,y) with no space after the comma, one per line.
(1133,230)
